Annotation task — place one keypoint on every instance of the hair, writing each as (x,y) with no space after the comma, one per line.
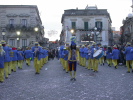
(73,47)
(109,49)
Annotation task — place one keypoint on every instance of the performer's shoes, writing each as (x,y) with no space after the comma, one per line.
(1,81)
(115,67)
(37,73)
(71,79)
(103,64)
(128,71)
(109,65)
(6,77)
(74,79)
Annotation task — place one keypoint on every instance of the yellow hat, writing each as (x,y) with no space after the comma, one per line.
(83,46)
(36,43)
(115,46)
(19,47)
(128,43)
(94,43)
(3,42)
(88,46)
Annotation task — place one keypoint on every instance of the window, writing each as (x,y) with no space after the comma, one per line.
(98,24)
(86,25)
(11,21)
(73,25)
(24,22)
(12,42)
(24,42)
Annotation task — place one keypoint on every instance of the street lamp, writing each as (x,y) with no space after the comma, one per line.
(3,33)
(96,33)
(18,34)
(36,29)
(73,32)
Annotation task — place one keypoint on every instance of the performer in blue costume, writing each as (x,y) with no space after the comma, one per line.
(72,58)
(2,56)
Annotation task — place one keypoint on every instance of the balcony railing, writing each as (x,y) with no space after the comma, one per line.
(28,27)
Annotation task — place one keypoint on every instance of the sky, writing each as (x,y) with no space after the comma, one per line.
(51,11)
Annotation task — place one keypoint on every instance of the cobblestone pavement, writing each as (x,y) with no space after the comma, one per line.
(54,84)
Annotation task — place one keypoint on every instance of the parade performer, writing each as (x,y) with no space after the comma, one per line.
(129,57)
(14,59)
(115,56)
(94,61)
(72,58)
(20,56)
(85,50)
(7,58)
(109,56)
(28,56)
(65,54)
(81,54)
(88,57)
(101,60)
(36,50)
(2,56)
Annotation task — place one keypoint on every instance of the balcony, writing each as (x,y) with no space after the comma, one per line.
(14,27)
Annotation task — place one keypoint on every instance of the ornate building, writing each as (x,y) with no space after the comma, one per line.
(89,25)
(21,25)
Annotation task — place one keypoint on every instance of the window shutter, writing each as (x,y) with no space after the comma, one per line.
(101,25)
(95,24)
(86,25)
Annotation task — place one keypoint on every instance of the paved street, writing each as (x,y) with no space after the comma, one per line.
(54,84)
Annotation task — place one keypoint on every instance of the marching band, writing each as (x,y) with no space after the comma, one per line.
(12,58)
(91,56)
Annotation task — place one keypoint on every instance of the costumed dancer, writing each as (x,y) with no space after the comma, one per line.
(80,46)
(20,56)
(81,54)
(109,56)
(65,53)
(94,61)
(88,57)
(28,56)
(2,56)
(14,59)
(7,58)
(72,58)
(115,56)
(36,50)
(129,57)
(101,60)
(85,50)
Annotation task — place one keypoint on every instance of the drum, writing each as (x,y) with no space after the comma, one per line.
(98,54)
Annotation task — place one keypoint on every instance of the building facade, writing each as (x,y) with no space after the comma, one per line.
(89,25)
(127,29)
(21,25)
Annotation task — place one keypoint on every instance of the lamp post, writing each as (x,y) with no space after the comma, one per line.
(96,33)
(36,30)
(3,33)
(18,38)
(73,32)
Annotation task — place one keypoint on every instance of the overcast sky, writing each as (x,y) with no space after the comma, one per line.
(51,10)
